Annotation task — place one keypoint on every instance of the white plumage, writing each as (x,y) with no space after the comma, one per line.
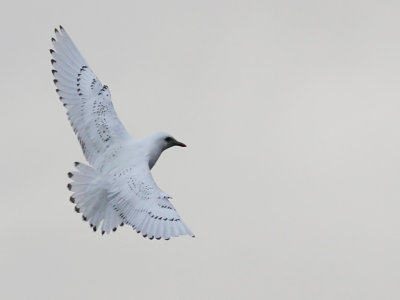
(118,187)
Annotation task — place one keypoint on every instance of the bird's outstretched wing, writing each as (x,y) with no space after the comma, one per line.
(89,105)
(142,204)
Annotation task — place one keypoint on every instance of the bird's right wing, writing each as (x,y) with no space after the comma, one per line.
(142,204)
(89,105)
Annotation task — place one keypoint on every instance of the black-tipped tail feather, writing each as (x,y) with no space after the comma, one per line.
(91,199)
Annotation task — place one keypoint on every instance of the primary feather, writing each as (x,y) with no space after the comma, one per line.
(117,188)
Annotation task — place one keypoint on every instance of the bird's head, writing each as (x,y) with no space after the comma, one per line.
(157,143)
(165,141)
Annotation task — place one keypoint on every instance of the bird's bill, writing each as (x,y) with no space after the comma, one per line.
(176,143)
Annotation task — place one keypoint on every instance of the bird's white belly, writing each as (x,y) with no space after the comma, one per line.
(119,157)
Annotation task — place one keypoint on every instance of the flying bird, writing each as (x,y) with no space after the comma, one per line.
(117,187)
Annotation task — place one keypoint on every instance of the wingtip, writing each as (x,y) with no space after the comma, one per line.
(61,28)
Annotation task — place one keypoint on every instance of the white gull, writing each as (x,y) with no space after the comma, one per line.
(117,188)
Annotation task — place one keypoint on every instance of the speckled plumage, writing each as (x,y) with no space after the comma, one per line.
(117,188)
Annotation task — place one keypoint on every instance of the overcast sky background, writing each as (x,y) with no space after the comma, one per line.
(291,178)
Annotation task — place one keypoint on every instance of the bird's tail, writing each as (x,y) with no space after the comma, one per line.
(91,199)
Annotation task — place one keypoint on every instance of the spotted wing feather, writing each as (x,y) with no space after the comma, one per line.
(143,205)
(88,101)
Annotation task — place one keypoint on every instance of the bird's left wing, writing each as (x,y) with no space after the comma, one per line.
(143,205)
(88,102)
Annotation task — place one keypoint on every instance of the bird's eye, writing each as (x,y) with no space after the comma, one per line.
(168,139)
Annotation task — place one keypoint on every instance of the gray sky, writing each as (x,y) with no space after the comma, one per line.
(291,114)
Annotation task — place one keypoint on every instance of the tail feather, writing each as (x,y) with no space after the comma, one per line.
(91,198)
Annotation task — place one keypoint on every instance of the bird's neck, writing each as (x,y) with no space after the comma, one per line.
(153,154)
(152,149)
